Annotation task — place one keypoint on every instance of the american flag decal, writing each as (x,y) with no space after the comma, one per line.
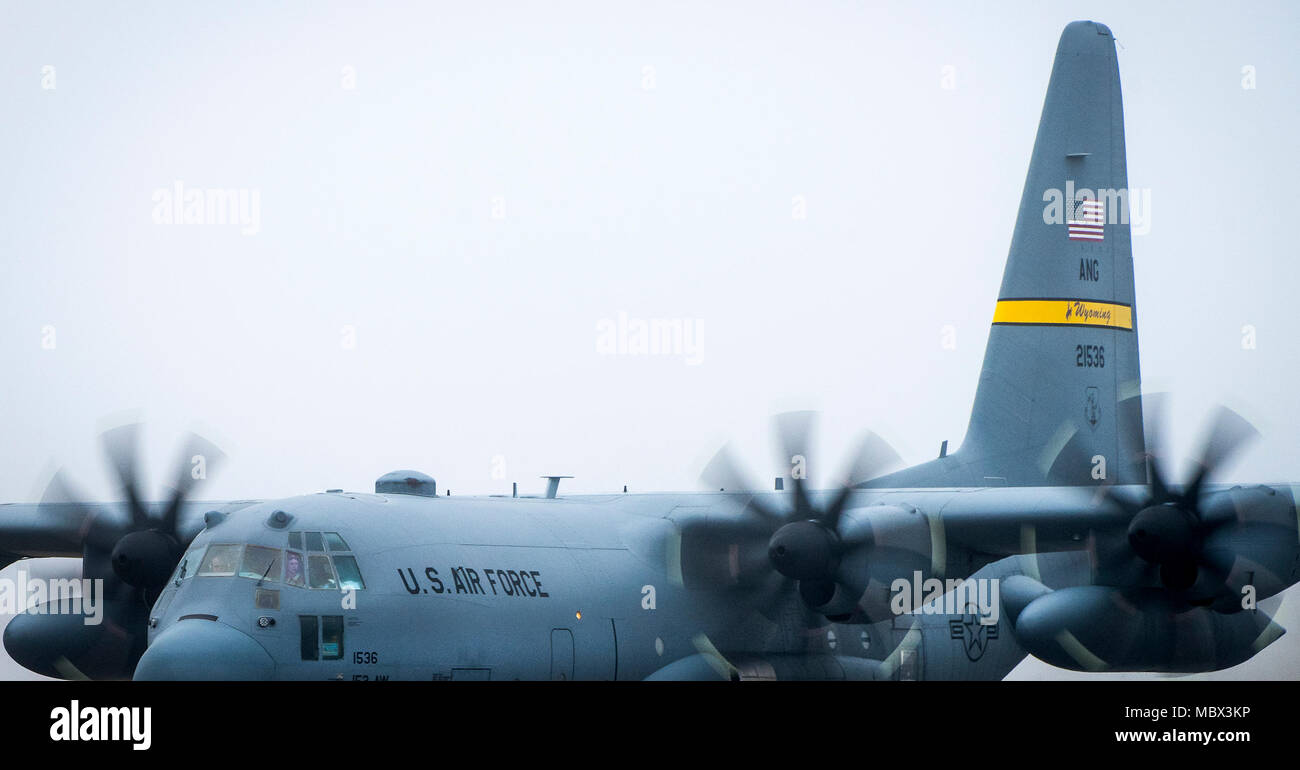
(1087,220)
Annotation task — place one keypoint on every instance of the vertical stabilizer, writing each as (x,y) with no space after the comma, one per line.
(1057,401)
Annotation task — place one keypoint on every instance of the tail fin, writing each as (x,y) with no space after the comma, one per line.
(1057,401)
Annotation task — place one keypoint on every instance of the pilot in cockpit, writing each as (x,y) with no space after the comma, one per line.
(221,562)
(293,569)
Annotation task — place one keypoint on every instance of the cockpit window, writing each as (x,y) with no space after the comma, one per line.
(321,560)
(319,572)
(221,560)
(293,569)
(261,563)
(188,566)
(349,575)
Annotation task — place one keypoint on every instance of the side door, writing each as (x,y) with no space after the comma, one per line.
(561,654)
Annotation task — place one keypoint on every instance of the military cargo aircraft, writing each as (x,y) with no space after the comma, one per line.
(1054,530)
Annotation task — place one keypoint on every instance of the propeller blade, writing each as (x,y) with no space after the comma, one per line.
(782,604)
(722,474)
(120,445)
(831,518)
(794,432)
(1227,434)
(200,456)
(1123,499)
(1115,563)
(1159,489)
(1154,408)
(1072,463)
(95,526)
(873,458)
(1132,434)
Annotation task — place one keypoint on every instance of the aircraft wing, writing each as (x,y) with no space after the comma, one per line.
(31,530)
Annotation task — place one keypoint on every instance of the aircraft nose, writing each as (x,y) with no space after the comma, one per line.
(195,649)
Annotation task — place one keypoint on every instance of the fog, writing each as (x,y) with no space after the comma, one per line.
(441,218)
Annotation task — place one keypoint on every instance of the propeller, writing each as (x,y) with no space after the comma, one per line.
(1176,574)
(146,550)
(779,539)
(132,547)
(1170,524)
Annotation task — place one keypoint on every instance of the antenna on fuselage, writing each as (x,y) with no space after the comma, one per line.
(553,485)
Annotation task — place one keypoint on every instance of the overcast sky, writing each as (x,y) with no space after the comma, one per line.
(449,205)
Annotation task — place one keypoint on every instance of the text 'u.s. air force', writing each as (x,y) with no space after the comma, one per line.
(526,584)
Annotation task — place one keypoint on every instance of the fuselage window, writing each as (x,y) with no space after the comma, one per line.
(314,541)
(261,563)
(266,599)
(349,574)
(331,637)
(293,569)
(308,632)
(319,572)
(220,560)
(321,638)
(295,541)
(335,542)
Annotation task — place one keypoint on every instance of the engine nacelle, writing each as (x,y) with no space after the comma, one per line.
(888,542)
(1097,628)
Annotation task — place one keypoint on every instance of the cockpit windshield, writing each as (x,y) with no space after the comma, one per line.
(349,574)
(261,563)
(317,560)
(188,565)
(319,572)
(220,560)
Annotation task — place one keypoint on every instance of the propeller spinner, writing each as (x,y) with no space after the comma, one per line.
(770,546)
(1171,524)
